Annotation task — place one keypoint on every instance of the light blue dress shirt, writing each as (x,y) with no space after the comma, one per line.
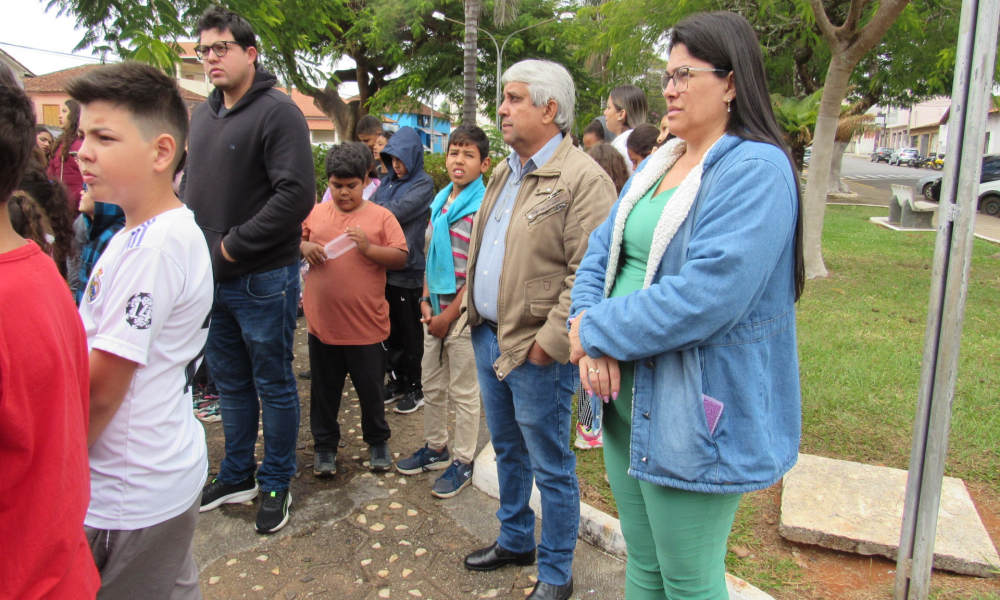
(489,264)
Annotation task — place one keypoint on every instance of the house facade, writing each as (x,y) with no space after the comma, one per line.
(432,126)
(924,127)
(20,71)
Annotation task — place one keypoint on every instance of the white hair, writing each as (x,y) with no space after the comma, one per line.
(546,81)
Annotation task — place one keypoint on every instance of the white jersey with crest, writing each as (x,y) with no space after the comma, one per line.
(148,300)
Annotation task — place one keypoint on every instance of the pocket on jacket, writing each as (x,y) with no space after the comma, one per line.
(541,295)
(267,286)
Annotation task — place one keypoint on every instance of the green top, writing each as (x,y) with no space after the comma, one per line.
(636,241)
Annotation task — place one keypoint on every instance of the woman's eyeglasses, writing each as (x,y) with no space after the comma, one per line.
(220,49)
(682,77)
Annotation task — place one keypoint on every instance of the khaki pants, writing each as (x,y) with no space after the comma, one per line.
(154,563)
(449,371)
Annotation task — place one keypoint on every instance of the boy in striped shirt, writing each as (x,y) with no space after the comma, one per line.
(449,366)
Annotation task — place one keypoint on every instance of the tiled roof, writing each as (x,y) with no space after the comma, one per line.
(56,82)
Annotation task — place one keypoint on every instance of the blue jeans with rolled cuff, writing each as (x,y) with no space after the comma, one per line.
(528,414)
(250,352)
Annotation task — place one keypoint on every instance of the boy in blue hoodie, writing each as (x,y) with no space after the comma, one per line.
(407,192)
(449,365)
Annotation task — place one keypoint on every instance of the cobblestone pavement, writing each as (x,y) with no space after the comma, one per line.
(366,536)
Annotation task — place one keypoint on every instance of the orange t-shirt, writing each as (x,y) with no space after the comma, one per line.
(344,299)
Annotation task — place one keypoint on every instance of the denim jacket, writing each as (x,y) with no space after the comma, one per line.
(716,319)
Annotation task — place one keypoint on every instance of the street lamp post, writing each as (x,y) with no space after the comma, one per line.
(500,47)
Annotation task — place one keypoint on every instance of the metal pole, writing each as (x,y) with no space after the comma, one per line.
(949,284)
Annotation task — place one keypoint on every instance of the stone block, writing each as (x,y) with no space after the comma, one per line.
(859,508)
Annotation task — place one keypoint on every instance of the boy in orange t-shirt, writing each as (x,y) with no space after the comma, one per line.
(345,306)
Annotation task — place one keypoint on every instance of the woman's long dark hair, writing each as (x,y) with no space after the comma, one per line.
(727,41)
(71,129)
(53,200)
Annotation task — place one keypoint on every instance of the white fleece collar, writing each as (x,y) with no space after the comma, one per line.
(673,215)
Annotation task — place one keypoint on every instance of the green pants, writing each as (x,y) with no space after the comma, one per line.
(676,539)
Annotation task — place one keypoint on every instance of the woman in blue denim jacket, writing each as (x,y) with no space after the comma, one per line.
(683,316)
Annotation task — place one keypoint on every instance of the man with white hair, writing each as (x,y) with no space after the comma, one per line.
(538,211)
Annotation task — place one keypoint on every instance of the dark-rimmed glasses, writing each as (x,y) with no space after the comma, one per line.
(682,77)
(220,49)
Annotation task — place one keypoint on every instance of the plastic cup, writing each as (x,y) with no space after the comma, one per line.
(338,246)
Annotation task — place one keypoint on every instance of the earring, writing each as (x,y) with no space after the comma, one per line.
(728,107)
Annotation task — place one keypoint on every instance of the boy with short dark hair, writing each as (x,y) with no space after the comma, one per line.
(345,306)
(146,312)
(407,191)
(43,398)
(449,366)
(369,129)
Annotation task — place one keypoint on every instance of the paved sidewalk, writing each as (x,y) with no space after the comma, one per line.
(361,536)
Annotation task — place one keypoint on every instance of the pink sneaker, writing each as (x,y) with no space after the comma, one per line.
(586,440)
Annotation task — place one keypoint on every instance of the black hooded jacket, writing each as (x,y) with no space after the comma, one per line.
(409,200)
(250,179)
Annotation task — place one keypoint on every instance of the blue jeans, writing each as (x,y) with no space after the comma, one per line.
(250,353)
(528,414)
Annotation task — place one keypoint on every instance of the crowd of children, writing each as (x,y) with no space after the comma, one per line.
(115,378)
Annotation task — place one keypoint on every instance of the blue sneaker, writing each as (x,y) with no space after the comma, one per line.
(453,481)
(422,460)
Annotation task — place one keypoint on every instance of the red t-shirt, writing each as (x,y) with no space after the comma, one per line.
(44,404)
(344,299)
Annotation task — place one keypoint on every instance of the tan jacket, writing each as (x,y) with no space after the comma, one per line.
(557,207)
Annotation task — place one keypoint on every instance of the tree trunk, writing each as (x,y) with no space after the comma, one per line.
(847,44)
(469,103)
(837,185)
(344,116)
(814,203)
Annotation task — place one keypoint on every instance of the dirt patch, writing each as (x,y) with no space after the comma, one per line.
(793,571)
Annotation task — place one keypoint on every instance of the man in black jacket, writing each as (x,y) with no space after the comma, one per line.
(250,183)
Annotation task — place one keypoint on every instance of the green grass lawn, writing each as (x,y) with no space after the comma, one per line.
(861,335)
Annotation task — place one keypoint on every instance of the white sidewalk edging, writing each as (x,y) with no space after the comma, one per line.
(597,528)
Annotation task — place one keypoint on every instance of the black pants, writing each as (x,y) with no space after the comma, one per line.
(406,336)
(330,366)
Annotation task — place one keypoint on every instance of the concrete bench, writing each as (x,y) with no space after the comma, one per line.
(908,213)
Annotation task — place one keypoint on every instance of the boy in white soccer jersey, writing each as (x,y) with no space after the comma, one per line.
(145,311)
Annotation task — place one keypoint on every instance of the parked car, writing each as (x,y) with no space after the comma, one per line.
(989,186)
(903,155)
(926,183)
(881,155)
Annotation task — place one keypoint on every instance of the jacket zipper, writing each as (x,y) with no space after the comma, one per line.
(546,206)
(506,240)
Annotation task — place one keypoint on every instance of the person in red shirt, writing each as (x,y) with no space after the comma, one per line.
(44,397)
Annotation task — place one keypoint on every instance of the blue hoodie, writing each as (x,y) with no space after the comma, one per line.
(409,200)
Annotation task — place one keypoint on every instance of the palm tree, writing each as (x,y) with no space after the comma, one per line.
(470,103)
(797,119)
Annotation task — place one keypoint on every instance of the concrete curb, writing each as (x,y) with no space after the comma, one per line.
(597,528)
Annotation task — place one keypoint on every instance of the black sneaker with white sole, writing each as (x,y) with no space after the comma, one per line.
(393,391)
(216,493)
(411,401)
(273,512)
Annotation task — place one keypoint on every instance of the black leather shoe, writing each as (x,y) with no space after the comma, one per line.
(494,557)
(547,591)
